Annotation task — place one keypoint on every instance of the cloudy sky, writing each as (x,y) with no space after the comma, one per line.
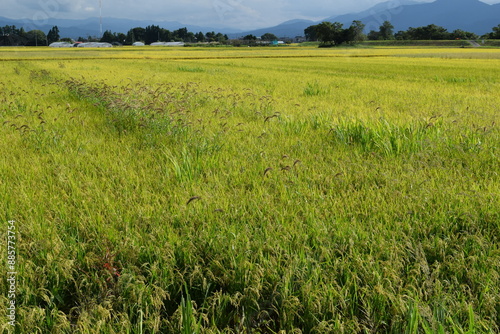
(241,14)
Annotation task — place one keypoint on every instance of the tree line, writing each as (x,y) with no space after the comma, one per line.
(12,36)
(333,33)
(328,33)
(154,33)
(429,32)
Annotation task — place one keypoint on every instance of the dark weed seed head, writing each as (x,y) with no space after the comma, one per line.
(194,198)
(267,170)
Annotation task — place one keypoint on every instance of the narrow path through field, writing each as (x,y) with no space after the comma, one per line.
(474,44)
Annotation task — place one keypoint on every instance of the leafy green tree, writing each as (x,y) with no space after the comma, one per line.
(11,36)
(250,38)
(221,38)
(36,38)
(496,31)
(310,33)
(210,36)
(53,35)
(415,33)
(386,31)
(120,38)
(152,34)
(374,35)
(355,32)
(402,35)
(437,32)
(130,38)
(495,34)
(7,34)
(22,36)
(325,32)
(200,37)
(108,37)
(7,30)
(190,38)
(139,33)
(181,35)
(460,34)
(167,35)
(329,33)
(430,32)
(269,37)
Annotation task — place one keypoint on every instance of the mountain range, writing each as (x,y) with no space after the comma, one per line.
(469,15)
(91,26)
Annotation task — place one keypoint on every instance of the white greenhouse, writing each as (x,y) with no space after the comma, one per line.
(61,45)
(94,45)
(167,44)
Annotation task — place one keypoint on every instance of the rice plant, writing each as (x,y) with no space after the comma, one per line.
(239,191)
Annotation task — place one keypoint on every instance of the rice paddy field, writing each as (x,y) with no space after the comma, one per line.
(272,190)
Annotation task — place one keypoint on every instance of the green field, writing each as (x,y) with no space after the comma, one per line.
(268,190)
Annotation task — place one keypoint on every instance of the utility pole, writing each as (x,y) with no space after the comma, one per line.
(100,16)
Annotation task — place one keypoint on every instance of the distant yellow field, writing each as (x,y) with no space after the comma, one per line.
(148,52)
